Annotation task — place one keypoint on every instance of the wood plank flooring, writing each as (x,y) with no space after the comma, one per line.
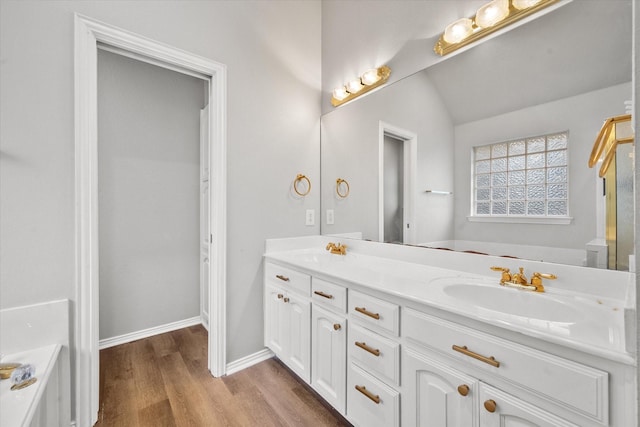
(163,381)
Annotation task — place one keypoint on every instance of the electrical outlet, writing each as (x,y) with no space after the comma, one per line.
(310,218)
(330,218)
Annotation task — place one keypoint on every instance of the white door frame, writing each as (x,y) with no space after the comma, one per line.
(410,152)
(88,33)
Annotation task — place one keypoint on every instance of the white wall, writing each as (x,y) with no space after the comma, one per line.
(350,150)
(149,194)
(582,116)
(272,51)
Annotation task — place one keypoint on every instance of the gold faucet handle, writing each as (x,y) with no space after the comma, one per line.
(506,276)
(330,245)
(545,276)
(536,280)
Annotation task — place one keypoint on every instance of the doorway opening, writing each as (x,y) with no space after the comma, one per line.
(89,34)
(397,150)
(151,182)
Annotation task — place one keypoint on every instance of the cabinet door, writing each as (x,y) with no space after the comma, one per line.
(328,361)
(504,410)
(298,328)
(435,394)
(275,317)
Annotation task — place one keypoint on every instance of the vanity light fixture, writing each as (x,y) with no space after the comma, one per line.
(489,18)
(369,80)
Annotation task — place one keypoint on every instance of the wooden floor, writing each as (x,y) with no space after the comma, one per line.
(163,381)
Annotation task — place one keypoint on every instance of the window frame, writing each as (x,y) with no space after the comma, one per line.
(519,218)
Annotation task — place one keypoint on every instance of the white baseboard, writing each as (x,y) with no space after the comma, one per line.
(250,360)
(205,319)
(145,333)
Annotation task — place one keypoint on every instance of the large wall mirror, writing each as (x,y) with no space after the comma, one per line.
(405,151)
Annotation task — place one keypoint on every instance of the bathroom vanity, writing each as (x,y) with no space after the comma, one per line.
(405,336)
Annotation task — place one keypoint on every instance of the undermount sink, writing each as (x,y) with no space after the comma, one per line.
(515,302)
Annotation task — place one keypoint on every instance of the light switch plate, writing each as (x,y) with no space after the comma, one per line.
(310,218)
(330,219)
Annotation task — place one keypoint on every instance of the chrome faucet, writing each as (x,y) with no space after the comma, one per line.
(338,249)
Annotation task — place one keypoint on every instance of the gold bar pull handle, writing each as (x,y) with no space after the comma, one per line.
(362,389)
(365,347)
(464,350)
(322,294)
(283,278)
(366,312)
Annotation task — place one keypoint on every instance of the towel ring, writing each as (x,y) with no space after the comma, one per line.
(340,181)
(298,179)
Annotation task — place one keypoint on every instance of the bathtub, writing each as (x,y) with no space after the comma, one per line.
(37,405)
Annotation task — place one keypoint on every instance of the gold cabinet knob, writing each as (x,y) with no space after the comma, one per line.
(286,300)
(463,389)
(280,296)
(490,405)
(337,326)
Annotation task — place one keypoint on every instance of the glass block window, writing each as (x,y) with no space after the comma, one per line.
(524,177)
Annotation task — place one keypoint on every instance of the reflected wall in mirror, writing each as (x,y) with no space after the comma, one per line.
(568,71)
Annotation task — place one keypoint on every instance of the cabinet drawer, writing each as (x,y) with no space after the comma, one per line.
(287,278)
(370,402)
(583,389)
(375,312)
(378,355)
(329,294)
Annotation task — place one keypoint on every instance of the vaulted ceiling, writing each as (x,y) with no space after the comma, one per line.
(580,47)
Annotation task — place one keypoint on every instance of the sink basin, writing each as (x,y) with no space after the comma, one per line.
(514,302)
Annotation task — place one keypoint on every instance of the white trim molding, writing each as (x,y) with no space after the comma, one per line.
(250,360)
(149,332)
(89,35)
(549,220)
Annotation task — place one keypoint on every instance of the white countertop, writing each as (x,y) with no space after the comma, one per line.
(594,324)
(17,407)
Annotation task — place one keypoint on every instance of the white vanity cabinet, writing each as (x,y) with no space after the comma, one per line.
(500,409)
(328,342)
(436,394)
(288,318)
(443,353)
(387,358)
(373,398)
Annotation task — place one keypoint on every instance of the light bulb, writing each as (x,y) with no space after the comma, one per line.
(340,93)
(354,86)
(458,30)
(524,4)
(370,77)
(492,13)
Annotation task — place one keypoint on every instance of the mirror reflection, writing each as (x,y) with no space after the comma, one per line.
(407,151)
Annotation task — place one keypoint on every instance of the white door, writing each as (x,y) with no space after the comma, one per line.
(299,331)
(205,232)
(501,409)
(274,320)
(436,395)
(328,361)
